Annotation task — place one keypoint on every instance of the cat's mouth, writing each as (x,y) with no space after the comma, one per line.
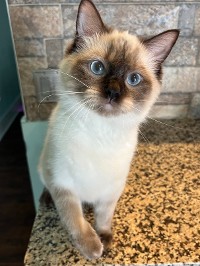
(107,102)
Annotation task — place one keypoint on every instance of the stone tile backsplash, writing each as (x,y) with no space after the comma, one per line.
(36,21)
(54,52)
(43,28)
(141,19)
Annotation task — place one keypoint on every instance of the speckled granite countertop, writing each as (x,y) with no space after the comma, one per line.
(157,220)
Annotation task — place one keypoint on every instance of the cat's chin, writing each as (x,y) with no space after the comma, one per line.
(109,109)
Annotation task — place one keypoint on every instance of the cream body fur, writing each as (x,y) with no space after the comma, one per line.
(89,155)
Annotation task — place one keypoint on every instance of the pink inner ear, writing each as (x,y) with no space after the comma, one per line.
(160,45)
(89,21)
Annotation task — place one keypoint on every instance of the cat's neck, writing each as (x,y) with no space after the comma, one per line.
(80,115)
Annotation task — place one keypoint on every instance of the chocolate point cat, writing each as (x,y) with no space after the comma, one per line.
(109,80)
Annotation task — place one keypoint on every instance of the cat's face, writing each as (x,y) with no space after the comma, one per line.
(115,72)
(115,68)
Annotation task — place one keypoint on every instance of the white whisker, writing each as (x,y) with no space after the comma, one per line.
(144,137)
(75,105)
(157,120)
(71,76)
(56,94)
(64,92)
(91,106)
(85,103)
(76,110)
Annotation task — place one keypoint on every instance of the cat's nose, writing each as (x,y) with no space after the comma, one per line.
(112,94)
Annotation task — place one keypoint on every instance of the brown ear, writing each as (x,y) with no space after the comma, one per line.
(89,21)
(160,45)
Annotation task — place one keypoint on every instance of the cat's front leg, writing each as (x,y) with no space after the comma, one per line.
(104,211)
(71,214)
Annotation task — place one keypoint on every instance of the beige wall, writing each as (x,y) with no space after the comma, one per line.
(41,30)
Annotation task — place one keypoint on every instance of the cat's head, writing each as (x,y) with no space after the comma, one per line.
(113,72)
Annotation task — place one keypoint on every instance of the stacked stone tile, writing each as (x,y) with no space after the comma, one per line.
(42,29)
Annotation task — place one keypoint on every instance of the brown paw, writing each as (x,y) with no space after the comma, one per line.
(106,238)
(89,244)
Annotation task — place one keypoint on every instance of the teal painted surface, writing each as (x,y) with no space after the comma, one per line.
(9,86)
(34,134)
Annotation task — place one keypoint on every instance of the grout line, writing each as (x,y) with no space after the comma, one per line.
(111,3)
(198,54)
(62,24)
(45,50)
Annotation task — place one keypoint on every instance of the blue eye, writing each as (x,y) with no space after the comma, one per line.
(97,68)
(134,79)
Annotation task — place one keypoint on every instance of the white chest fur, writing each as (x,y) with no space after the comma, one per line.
(90,156)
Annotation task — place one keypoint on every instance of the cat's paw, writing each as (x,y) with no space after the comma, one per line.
(89,244)
(106,238)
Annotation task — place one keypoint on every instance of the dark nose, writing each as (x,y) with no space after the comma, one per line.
(112,94)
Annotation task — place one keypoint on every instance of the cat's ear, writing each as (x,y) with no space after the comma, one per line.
(89,21)
(160,45)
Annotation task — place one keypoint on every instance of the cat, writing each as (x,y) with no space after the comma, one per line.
(109,80)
